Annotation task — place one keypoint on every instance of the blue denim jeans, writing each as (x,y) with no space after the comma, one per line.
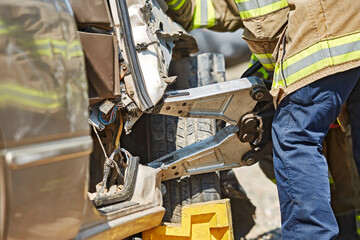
(300,124)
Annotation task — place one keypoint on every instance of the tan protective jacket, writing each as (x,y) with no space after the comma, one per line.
(300,40)
(221,15)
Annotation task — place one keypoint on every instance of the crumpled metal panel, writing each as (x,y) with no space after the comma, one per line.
(150,23)
(43,88)
(94,12)
(102,64)
(147,196)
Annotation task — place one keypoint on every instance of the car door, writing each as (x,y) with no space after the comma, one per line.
(43,119)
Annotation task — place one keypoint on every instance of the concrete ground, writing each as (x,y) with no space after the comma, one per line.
(263,194)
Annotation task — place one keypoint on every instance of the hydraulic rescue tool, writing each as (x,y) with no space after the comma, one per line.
(244,103)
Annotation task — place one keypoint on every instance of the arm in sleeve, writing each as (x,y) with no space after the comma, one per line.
(217,15)
(264,21)
(265,24)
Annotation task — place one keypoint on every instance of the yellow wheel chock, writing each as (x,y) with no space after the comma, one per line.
(199,221)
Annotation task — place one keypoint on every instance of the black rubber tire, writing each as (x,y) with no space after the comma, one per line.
(169,134)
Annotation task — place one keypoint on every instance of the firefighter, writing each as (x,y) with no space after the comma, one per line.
(343,176)
(313,52)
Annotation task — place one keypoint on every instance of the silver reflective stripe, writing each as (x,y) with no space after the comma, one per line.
(266,60)
(318,56)
(204,13)
(60,47)
(75,48)
(254,4)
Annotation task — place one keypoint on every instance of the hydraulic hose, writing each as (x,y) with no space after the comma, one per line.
(251,70)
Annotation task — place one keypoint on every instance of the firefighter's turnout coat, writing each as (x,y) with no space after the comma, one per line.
(300,40)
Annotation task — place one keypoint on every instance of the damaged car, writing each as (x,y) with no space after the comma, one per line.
(108,119)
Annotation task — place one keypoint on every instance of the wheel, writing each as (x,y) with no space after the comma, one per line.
(169,134)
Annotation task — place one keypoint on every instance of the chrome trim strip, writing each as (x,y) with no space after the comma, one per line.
(48,152)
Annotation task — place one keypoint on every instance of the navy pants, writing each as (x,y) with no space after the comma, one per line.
(300,124)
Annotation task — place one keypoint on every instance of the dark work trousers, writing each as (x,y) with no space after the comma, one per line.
(345,184)
(354,115)
(300,124)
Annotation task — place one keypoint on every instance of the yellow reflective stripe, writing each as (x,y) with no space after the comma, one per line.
(273,180)
(320,65)
(79,53)
(67,50)
(46,47)
(307,70)
(268,66)
(253,60)
(264,10)
(54,42)
(204,15)
(197,14)
(28,97)
(278,83)
(323,54)
(357,217)
(264,73)
(176,4)
(319,46)
(266,60)
(172,2)
(27,102)
(301,55)
(28,91)
(211,14)
(346,57)
(264,55)
(256,8)
(3,29)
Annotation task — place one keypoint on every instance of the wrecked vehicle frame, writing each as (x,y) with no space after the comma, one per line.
(46,140)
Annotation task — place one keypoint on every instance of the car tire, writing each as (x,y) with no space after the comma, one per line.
(167,135)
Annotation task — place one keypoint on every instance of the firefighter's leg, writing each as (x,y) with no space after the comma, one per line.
(299,127)
(345,181)
(354,115)
(267,167)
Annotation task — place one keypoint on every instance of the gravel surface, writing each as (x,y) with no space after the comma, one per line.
(263,194)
